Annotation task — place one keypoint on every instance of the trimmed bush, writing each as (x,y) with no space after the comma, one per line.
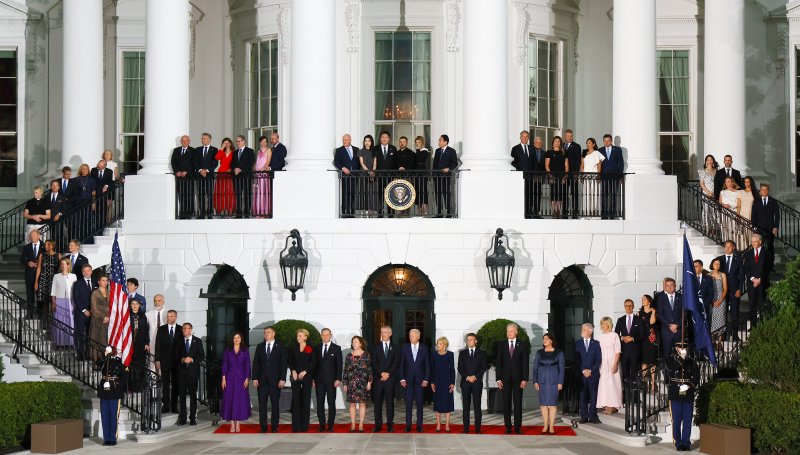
(286,332)
(495,331)
(786,291)
(773,347)
(26,403)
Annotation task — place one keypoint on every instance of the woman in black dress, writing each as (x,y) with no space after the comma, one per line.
(650,344)
(302,362)
(140,334)
(367,188)
(556,164)
(423,157)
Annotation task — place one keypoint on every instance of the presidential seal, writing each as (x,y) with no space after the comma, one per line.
(399,194)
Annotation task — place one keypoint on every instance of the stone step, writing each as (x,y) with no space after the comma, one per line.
(7,348)
(57,378)
(42,370)
(28,359)
(611,432)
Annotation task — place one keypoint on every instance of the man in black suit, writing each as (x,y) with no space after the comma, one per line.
(530,159)
(75,257)
(81,313)
(278,160)
(58,205)
(385,155)
(346,160)
(733,267)
(30,260)
(757,267)
(669,305)
(69,190)
(328,378)
(205,162)
(269,376)
(471,367)
(631,333)
(103,182)
(766,216)
(414,376)
(445,160)
(611,174)
(589,358)
(244,158)
(405,159)
(385,359)
(189,353)
(723,173)
(573,151)
(705,289)
(512,375)
(183,167)
(166,351)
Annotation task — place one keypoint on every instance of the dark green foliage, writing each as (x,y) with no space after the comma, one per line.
(786,291)
(492,332)
(773,349)
(286,332)
(2,367)
(26,403)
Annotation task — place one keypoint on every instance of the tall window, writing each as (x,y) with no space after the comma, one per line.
(132,128)
(544,97)
(403,84)
(263,96)
(673,112)
(8,118)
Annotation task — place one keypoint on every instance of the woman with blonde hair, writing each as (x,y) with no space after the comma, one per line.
(302,363)
(61,307)
(609,391)
(111,165)
(443,382)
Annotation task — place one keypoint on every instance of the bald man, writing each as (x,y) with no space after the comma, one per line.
(346,161)
(183,167)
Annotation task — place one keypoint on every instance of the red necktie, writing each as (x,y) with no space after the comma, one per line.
(756,256)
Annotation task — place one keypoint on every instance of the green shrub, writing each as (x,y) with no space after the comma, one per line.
(773,347)
(786,291)
(2,367)
(26,403)
(286,332)
(494,331)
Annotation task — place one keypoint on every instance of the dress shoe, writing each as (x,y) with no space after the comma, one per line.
(390,429)
(193,422)
(329,429)
(321,429)
(164,410)
(518,431)
(583,421)
(180,422)
(465,431)
(263,430)
(595,420)
(106,443)
(376,430)
(274,430)
(407,430)
(477,431)
(508,430)
(419,429)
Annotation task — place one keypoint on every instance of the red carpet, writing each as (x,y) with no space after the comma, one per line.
(251,428)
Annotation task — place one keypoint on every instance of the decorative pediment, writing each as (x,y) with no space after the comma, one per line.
(14,10)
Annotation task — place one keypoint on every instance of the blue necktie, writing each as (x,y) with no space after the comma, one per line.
(187,346)
(171,334)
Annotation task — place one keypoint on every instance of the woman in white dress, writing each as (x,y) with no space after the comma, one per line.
(111,165)
(609,391)
(707,186)
(61,295)
(592,164)
(747,197)
(730,198)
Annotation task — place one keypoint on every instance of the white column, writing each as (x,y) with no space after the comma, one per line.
(166,85)
(485,143)
(634,85)
(724,83)
(312,130)
(82,109)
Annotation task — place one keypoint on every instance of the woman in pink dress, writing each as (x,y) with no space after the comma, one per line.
(224,198)
(609,392)
(261,180)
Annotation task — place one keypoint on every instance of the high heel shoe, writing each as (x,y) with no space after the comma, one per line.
(552,431)
(544,430)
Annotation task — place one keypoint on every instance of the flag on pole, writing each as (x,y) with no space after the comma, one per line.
(119,328)
(691,303)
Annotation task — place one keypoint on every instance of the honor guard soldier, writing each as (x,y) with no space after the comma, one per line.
(683,377)
(110,389)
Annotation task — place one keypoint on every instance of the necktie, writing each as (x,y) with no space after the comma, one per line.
(756,250)
(765,202)
(525,147)
(629,324)
(205,150)
(240,154)
(158,314)
(54,197)
(414,352)
(88,283)
(325,352)
(511,348)
(672,300)
(350,152)
(385,349)
(171,333)
(269,349)
(729,172)
(65,183)
(471,353)
(728,264)
(586,343)
(187,346)
(36,250)
(73,260)
(183,151)
(384,151)
(101,174)
(700,280)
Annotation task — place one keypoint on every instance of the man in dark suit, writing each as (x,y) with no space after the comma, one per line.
(385,155)
(204,164)
(269,376)
(405,159)
(529,159)
(244,158)
(165,353)
(385,360)
(445,160)
(572,151)
(512,375)
(733,267)
(328,378)
(104,183)
(133,292)
(705,289)
(669,305)
(75,257)
(611,175)
(414,376)
(189,353)
(589,358)
(58,205)
(183,167)
(471,367)
(766,216)
(30,260)
(69,190)
(757,267)
(81,313)
(346,161)
(631,333)
(278,160)
(725,172)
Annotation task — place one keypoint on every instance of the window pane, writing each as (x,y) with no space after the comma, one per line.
(542,86)
(402,76)
(680,118)
(273,110)
(384,108)
(253,113)
(422,46)
(383,46)
(273,81)
(680,91)
(273,51)
(8,91)
(544,118)
(553,56)
(253,84)
(263,89)
(665,118)
(553,84)
(680,148)
(422,107)
(402,46)
(8,63)
(264,58)
(422,76)
(543,57)
(664,90)
(263,111)
(665,148)
(403,105)
(383,76)
(8,118)
(554,113)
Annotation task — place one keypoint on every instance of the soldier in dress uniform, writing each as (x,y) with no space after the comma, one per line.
(682,376)
(113,377)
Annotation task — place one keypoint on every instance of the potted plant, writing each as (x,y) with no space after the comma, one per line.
(286,334)
(488,336)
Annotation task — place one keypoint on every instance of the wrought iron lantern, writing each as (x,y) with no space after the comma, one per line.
(500,263)
(293,262)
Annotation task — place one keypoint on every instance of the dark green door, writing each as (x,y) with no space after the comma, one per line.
(570,306)
(227,311)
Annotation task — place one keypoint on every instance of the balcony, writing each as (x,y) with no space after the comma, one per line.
(582,195)
(224,195)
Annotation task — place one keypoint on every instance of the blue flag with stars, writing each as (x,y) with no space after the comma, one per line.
(691,304)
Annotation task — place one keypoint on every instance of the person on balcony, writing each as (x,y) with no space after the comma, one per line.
(36,212)
(385,156)
(111,165)
(548,379)
(30,258)
(346,161)
(445,160)
(523,161)
(58,206)
(574,154)
(261,180)
(557,165)
(423,167)
(367,194)
(235,405)
(70,191)
(725,172)
(104,182)
(183,168)
(767,216)
(244,158)
(590,184)
(278,159)
(405,161)
(205,162)
(83,225)
(224,196)
(61,308)
(612,172)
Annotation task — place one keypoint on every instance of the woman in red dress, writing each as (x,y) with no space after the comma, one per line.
(224,199)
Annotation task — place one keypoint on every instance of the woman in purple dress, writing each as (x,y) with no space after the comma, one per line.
(235,405)
(61,306)
(261,181)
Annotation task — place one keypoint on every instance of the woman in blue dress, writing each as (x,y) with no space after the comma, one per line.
(443,382)
(548,378)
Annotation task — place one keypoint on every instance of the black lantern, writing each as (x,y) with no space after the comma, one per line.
(499,263)
(294,263)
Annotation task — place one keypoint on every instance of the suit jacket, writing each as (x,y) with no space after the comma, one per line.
(71,192)
(141,298)
(637,332)
(705,290)
(527,163)
(574,154)
(406,158)
(108,179)
(471,366)
(79,262)
(445,158)
(589,360)
(385,163)
(27,255)
(166,348)
(342,159)
(182,162)
(246,161)
(384,363)
(735,273)
(192,370)
(614,162)
(329,368)
(81,294)
(719,181)
(270,370)
(765,217)
(278,161)
(512,370)
(59,205)
(415,372)
(667,316)
(757,269)
(208,162)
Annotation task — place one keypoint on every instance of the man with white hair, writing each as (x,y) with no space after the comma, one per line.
(182,161)
(512,375)
(589,357)
(414,375)
(346,161)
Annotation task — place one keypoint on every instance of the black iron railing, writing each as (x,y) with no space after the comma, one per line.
(12,227)
(571,390)
(789,230)
(367,194)
(224,195)
(33,330)
(209,391)
(577,195)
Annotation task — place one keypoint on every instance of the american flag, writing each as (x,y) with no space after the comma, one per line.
(119,328)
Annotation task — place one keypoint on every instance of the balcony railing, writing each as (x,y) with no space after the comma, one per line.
(581,195)
(398,194)
(224,195)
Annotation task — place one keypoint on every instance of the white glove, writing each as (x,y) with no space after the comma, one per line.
(683,388)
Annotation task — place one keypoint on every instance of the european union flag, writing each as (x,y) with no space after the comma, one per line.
(691,303)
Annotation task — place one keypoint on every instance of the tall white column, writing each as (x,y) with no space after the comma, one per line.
(635,90)
(486,57)
(82,109)
(166,85)
(724,83)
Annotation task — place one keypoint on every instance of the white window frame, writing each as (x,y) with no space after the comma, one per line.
(560,89)
(694,161)
(251,135)
(22,187)
(120,135)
